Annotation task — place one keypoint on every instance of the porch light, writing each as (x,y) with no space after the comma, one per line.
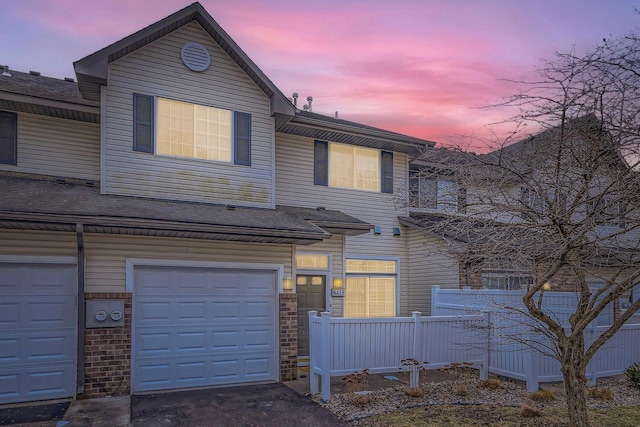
(337,283)
(546,286)
(287,283)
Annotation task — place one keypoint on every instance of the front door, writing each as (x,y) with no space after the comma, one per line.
(311,290)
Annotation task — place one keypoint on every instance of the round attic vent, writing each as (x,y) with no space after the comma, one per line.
(195,56)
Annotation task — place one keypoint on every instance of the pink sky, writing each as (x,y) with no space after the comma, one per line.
(420,67)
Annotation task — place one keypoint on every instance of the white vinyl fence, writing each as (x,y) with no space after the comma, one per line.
(341,346)
(472,326)
(515,344)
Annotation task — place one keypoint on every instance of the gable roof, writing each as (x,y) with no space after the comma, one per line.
(92,70)
(318,126)
(35,94)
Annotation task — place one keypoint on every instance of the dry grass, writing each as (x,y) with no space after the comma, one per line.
(600,393)
(413,391)
(469,415)
(543,396)
(492,384)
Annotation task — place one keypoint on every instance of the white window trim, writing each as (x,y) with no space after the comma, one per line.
(377,258)
(130,263)
(231,162)
(378,191)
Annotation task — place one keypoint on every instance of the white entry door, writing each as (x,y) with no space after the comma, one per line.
(38,330)
(200,326)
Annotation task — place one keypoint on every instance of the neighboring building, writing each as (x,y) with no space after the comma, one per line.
(497,197)
(168,220)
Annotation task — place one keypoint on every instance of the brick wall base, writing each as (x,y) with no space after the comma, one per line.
(107,361)
(288,337)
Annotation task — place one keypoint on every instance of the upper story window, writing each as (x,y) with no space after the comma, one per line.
(8,138)
(437,193)
(607,211)
(532,203)
(354,167)
(188,130)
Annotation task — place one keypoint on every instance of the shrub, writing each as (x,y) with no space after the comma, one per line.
(633,375)
(543,396)
(413,391)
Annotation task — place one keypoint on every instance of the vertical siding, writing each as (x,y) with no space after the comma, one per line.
(37,243)
(157,70)
(57,147)
(106,255)
(429,266)
(294,187)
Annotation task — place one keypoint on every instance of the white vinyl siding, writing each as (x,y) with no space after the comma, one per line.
(429,265)
(294,186)
(157,70)
(57,147)
(106,255)
(37,243)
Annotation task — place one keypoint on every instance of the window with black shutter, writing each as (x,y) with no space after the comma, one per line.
(321,163)
(143,129)
(386,175)
(242,138)
(8,138)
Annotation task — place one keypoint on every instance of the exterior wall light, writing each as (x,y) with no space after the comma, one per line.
(546,286)
(287,284)
(337,283)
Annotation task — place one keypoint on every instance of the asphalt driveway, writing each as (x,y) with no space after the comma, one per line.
(251,405)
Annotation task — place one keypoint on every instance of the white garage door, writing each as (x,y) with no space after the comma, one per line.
(198,326)
(37,331)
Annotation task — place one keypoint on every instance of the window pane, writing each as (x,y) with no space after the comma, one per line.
(188,130)
(314,262)
(370,266)
(355,299)
(370,297)
(354,167)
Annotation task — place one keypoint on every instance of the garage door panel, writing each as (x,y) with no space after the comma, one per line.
(38,331)
(207,327)
(36,278)
(36,312)
(189,310)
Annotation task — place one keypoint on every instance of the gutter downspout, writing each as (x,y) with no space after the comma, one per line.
(81,311)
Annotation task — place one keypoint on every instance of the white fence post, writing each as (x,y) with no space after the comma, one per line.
(414,374)
(313,354)
(531,365)
(590,338)
(326,344)
(435,301)
(486,355)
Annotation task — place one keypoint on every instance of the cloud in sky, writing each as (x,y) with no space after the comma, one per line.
(420,67)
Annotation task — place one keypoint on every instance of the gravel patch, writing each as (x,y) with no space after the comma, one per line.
(355,406)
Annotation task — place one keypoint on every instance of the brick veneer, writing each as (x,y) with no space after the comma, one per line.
(107,360)
(108,350)
(288,337)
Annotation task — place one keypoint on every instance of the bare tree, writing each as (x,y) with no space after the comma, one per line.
(563,203)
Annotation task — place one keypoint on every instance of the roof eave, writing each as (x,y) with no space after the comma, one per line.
(336,132)
(137,226)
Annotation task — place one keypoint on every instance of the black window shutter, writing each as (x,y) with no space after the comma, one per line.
(321,163)
(242,138)
(143,123)
(8,138)
(386,175)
